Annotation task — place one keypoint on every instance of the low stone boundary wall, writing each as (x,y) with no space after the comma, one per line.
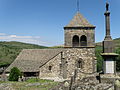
(117,85)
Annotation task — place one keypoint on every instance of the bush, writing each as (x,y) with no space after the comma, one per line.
(14,74)
(98,51)
(118,60)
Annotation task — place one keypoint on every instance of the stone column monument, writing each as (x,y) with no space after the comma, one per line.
(109,64)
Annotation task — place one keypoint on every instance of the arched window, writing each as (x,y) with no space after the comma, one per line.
(75,41)
(83,40)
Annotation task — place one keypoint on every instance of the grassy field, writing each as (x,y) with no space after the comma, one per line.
(31,84)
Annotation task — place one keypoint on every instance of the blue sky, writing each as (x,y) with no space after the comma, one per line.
(42,21)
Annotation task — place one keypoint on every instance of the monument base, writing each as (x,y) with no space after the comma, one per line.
(109,78)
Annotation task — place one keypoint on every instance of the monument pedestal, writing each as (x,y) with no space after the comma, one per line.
(109,63)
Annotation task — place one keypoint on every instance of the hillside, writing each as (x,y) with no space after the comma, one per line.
(10,50)
(116,43)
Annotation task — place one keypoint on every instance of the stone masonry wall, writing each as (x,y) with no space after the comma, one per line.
(64,64)
(88,60)
(88,33)
(55,70)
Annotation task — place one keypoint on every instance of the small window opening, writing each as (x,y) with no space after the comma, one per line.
(79,64)
(50,68)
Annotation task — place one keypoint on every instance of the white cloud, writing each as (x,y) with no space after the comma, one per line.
(26,39)
(2,34)
(13,36)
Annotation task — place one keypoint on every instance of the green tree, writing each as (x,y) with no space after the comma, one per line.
(118,60)
(14,74)
(98,51)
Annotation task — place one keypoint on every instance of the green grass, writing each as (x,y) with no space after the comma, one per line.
(32,80)
(44,84)
(116,43)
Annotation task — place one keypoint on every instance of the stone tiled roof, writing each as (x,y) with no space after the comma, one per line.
(79,21)
(30,60)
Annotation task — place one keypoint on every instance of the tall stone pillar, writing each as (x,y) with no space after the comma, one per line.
(108,54)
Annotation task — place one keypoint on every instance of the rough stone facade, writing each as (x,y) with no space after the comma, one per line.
(69,34)
(55,71)
(65,63)
(87,57)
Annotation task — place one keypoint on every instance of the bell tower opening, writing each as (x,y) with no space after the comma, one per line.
(83,40)
(75,41)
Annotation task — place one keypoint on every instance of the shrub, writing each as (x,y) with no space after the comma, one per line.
(118,60)
(14,74)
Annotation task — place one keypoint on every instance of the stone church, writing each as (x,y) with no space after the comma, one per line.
(78,53)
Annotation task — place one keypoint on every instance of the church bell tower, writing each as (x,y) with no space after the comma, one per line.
(79,36)
(79,33)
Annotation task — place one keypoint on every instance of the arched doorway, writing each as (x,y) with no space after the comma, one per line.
(83,40)
(75,41)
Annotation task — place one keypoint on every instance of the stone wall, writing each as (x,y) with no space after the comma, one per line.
(55,68)
(87,55)
(88,33)
(65,63)
(109,78)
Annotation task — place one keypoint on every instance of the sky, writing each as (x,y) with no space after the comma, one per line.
(41,21)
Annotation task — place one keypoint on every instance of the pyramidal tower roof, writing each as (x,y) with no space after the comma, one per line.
(79,21)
